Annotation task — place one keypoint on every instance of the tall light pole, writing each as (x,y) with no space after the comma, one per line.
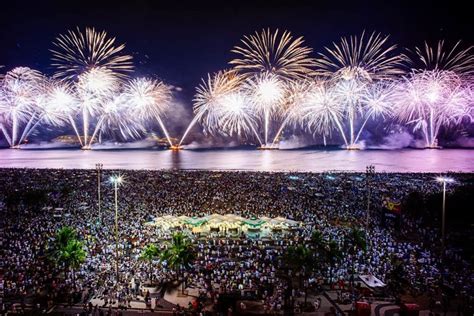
(98,167)
(444,180)
(116,180)
(369,172)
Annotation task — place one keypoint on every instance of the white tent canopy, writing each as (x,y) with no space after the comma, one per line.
(371,281)
(223,223)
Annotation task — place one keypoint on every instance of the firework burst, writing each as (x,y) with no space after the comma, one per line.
(430,100)
(273,52)
(320,109)
(363,58)
(19,92)
(60,103)
(347,106)
(76,52)
(274,83)
(350,93)
(53,105)
(222,108)
(149,99)
(457,59)
(290,107)
(267,93)
(93,88)
(116,117)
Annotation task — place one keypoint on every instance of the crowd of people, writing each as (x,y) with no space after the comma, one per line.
(327,202)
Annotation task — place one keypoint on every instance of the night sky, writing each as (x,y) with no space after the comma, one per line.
(181,43)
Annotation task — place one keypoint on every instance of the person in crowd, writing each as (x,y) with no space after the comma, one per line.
(325,202)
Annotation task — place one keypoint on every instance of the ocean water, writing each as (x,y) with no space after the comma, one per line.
(304,160)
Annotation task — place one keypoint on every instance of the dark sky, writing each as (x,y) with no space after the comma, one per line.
(181,43)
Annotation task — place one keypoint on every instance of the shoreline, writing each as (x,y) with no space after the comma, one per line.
(168,170)
(403,161)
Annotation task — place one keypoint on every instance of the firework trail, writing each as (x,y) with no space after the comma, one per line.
(273,52)
(93,89)
(63,99)
(149,99)
(456,59)
(95,65)
(322,106)
(271,60)
(355,69)
(117,116)
(438,93)
(18,92)
(350,94)
(291,105)
(54,104)
(76,52)
(430,100)
(316,108)
(267,94)
(222,108)
(363,58)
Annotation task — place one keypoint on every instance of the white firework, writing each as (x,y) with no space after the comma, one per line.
(18,91)
(149,99)
(267,93)
(222,108)
(430,100)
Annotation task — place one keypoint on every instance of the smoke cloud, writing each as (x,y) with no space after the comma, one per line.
(294,142)
(208,143)
(465,142)
(139,144)
(397,140)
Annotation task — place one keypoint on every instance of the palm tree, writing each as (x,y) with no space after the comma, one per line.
(300,259)
(357,237)
(179,254)
(67,251)
(333,255)
(150,253)
(355,240)
(397,279)
(317,240)
(72,256)
(328,251)
(63,236)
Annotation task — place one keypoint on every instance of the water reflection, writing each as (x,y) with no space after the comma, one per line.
(175,159)
(238,159)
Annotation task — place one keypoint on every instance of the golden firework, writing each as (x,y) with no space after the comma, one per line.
(362,58)
(76,52)
(456,59)
(274,52)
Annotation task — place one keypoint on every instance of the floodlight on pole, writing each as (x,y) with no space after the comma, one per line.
(116,180)
(369,173)
(444,181)
(99,167)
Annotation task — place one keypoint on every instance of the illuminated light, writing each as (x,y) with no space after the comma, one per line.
(445,179)
(117,179)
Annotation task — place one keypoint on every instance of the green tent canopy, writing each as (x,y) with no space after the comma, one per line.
(254,222)
(195,221)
